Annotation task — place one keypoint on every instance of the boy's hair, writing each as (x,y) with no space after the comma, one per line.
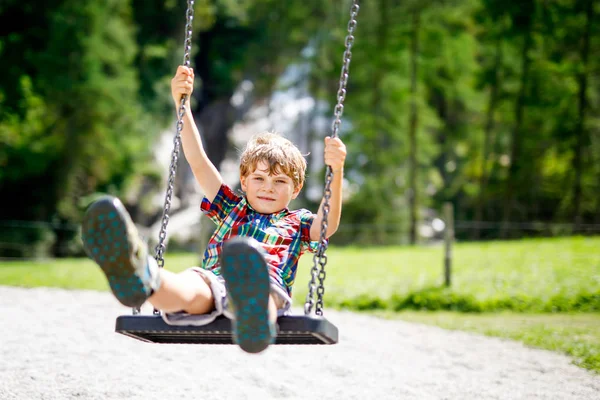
(280,153)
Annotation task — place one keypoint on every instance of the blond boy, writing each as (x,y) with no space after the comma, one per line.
(252,257)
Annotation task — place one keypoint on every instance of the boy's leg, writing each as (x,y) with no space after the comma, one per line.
(185,291)
(111,239)
(248,286)
(273,307)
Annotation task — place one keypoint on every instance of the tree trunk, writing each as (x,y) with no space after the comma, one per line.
(414,119)
(66,192)
(378,74)
(513,171)
(488,139)
(383,136)
(580,131)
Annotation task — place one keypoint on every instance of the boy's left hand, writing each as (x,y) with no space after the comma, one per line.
(335,153)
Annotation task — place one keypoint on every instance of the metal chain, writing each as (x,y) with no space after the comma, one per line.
(160,247)
(320,258)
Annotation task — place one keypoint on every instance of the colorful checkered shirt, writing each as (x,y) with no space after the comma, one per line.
(284,236)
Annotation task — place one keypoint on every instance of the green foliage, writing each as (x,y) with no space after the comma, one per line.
(458,47)
(444,299)
(85,88)
(31,151)
(70,121)
(502,130)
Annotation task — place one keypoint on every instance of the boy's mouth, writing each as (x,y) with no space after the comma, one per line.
(266,198)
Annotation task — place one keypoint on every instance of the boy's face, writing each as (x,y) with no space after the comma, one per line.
(267,193)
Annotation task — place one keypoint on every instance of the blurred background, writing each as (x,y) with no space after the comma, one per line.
(490,105)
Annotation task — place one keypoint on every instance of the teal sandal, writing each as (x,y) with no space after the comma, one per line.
(248,286)
(111,239)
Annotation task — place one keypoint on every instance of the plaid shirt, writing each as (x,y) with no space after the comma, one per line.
(284,236)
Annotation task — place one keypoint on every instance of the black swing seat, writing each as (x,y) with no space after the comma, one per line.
(297,329)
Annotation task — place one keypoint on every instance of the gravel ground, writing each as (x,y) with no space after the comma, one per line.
(57,344)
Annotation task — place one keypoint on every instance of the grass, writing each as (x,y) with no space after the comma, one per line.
(528,276)
(538,269)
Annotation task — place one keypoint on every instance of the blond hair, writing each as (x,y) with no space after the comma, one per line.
(279,153)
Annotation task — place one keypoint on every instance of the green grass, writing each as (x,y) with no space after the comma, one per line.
(538,269)
(577,335)
(527,276)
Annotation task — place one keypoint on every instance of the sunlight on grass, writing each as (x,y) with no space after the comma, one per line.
(69,273)
(538,268)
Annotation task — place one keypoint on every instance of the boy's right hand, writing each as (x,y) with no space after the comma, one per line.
(182,84)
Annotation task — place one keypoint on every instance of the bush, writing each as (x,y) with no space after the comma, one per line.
(445,299)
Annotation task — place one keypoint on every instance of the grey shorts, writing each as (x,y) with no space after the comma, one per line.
(219,291)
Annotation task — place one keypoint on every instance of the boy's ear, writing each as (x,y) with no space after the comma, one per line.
(243,182)
(296,191)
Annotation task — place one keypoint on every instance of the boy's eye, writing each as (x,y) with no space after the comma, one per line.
(258,178)
(280,181)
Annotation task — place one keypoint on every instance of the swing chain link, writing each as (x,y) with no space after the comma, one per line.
(320,258)
(160,247)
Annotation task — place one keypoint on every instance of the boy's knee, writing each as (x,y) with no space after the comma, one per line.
(276,300)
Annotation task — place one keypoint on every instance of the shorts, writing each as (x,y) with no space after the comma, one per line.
(219,291)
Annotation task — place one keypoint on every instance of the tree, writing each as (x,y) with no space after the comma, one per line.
(73,90)
(494,18)
(582,105)
(523,18)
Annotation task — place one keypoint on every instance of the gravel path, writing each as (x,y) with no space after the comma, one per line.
(57,344)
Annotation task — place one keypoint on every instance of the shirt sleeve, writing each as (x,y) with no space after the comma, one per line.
(221,206)
(306,220)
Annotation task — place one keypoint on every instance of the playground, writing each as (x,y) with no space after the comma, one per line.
(60,344)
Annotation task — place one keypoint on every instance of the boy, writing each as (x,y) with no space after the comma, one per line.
(251,258)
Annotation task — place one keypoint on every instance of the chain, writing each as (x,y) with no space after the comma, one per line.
(162,235)
(320,258)
(160,247)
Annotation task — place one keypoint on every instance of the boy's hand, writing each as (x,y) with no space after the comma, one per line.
(335,153)
(182,84)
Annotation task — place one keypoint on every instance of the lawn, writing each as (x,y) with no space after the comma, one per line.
(538,268)
(531,276)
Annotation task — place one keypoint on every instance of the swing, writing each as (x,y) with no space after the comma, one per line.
(299,329)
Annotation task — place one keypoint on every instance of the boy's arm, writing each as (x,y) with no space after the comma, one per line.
(335,209)
(335,156)
(206,174)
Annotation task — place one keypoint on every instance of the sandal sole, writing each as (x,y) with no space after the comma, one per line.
(105,239)
(247,279)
